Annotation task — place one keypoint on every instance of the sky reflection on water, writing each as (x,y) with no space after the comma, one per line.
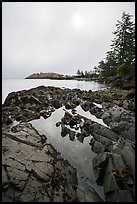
(77,153)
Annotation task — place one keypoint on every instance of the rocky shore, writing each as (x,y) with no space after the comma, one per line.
(32,169)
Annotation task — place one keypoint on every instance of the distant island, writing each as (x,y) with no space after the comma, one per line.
(49,75)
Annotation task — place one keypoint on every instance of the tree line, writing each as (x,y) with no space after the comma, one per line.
(120,60)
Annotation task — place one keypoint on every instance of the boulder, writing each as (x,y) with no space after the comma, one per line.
(56,103)
(86,106)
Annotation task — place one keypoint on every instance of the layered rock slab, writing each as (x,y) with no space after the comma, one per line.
(33,171)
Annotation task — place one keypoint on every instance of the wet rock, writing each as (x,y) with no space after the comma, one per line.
(125,104)
(9,121)
(86,106)
(42,175)
(106,117)
(64,130)
(7,196)
(115,113)
(129,86)
(32,190)
(113,174)
(5,180)
(129,134)
(73,111)
(95,110)
(128,153)
(9,98)
(73,122)
(80,137)
(17,102)
(97,147)
(66,118)
(119,127)
(57,103)
(18,177)
(99,164)
(42,171)
(68,105)
(125,129)
(109,181)
(37,172)
(58,124)
(30,99)
(46,115)
(103,140)
(119,196)
(72,135)
(76,101)
(102,130)
(131,94)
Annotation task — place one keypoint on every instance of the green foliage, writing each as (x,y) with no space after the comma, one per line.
(78,72)
(121,59)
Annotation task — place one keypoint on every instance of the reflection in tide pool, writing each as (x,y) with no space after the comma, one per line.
(78,154)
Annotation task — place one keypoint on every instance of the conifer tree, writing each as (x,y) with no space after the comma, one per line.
(123,45)
(121,59)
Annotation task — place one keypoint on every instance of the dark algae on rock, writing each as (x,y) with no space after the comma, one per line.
(34,171)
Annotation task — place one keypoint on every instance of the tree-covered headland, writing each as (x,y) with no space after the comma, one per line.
(120,60)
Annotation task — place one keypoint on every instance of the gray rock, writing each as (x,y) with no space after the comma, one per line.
(85,106)
(103,140)
(97,147)
(37,172)
(108,179)
(72,135)
(125,104)
(105,115)
(30,99)
(118,162)
(99,163)
(18,177)
(125,196)
(80,137)
(129,134)
(32,191)
(128,154)
(115,113)
(104,131)
(43,171)
(5,180)
(64,130)
(57,103)
(120,127)
(109,134)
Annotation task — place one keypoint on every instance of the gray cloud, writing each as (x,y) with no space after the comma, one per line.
(57,36)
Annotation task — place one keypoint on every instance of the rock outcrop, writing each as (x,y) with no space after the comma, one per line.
(33,170)
(49,75)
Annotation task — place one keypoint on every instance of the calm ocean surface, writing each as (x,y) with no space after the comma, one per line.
(9,85)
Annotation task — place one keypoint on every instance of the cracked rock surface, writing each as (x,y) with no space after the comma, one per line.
(34,172)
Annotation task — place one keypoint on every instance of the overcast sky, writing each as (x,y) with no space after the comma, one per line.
(57,37)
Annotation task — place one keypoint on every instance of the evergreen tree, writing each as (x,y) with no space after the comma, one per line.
(86,74)
(78,72)
(123,45)
(121,59)
(82,74)
(103,67)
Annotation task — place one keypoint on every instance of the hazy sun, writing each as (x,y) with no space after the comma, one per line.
(77,21)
